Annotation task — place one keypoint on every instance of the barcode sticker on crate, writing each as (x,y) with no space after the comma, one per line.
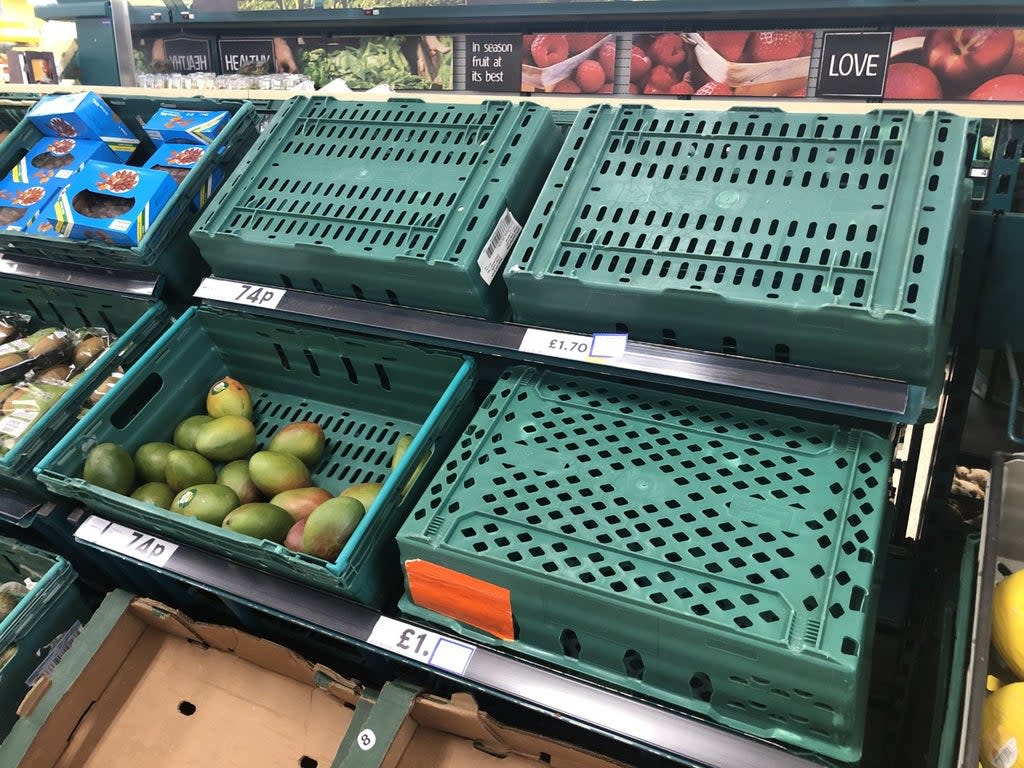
(417,643)
(118,538)
(498,246)
(240,293)
(58,648)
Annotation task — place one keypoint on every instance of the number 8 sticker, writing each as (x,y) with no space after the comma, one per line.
(366,739)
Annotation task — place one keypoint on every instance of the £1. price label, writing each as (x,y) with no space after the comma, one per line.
(422,645)
(240,293)
(126,541)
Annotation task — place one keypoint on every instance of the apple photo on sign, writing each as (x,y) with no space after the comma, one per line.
(962,63)
(582,62)
(722,63)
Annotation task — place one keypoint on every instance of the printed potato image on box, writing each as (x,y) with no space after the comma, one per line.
(175,126)
(54,160)
(21,204)
(83,116)
(111,203)
(177,161)
(972,64)
(569,63)
(722,63)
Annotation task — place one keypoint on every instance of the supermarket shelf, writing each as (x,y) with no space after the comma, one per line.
(136,283)
(672,734)
(832,391)
(14,507)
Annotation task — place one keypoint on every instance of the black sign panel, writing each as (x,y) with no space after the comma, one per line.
(854,64)
(235,54)
(189,54)
(494,62)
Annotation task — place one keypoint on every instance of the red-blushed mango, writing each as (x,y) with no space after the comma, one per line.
(228,397)
(303,440)
(293,540)
(275,472)
(330,526)
(300,502)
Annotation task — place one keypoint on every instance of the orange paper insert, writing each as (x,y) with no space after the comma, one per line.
(464,598)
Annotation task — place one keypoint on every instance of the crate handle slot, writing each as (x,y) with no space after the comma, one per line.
(135,402)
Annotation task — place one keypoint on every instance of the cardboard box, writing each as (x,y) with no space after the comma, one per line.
(424,731)
(54,161)
(178,126)
(178,160)
(22,204)
(144,685)
(112,203)
(83,115)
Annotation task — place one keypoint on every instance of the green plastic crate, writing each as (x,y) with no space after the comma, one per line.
(165,247)
(13,107)
(711,556)
(50,608)
(825,240)
(388,201)
(136,320)
(363,392)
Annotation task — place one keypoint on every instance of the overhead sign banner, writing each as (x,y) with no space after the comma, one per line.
(249,54)
(189,54)
(493,63)
(854,64)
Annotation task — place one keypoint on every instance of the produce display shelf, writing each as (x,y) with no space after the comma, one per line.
(827,240)
(671,734)
(868,397)
(397,201)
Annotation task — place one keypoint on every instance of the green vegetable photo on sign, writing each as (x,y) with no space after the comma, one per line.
(403,63)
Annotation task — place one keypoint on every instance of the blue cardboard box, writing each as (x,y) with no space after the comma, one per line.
(112,203)
(177,126)
(178,160)
(21,204)
(83,116)
(54,161)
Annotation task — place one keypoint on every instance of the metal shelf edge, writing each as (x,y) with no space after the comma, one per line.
(136,283)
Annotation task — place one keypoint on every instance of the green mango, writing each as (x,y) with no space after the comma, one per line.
(261,521)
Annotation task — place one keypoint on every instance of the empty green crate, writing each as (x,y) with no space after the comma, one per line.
(50,608)
(364,393)
(165,247)
(823,240)
(711,556)
(391,201)
(136,320)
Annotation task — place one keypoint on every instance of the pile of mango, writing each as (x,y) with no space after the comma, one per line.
(211,473)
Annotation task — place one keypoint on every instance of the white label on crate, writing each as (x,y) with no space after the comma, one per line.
(498,246)
(366,739)
(16,424)
(240,293)
(1006,757)
(422,645)
(58,648)
(118,538)
(120,225)
(571,346)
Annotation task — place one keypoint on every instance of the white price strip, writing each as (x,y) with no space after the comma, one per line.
(570,346)
(118,538)
(417,643)
(496,249)
(240,293)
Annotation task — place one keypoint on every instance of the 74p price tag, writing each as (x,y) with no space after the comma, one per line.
(422,645)
(119,538)
(240,293)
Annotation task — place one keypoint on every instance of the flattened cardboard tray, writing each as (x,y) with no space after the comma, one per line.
(401,728)
(144,685)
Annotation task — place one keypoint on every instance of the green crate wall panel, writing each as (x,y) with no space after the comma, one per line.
(715,557)
(391,202)
(364,393)
(825,240)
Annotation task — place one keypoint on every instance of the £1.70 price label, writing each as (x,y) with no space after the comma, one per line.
(126,541)
(422,645)
(240,293)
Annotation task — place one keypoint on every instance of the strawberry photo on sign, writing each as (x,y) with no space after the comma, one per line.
(582,62)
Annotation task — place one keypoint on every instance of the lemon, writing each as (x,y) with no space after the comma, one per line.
(1008,622)
(1002,728)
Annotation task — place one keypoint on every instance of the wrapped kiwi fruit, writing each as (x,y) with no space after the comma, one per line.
(13,325)
(91,344)
(22,405)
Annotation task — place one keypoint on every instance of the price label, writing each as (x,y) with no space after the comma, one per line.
(569,346)
(240,293)
(422,645)
(119,538)
(498,245)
